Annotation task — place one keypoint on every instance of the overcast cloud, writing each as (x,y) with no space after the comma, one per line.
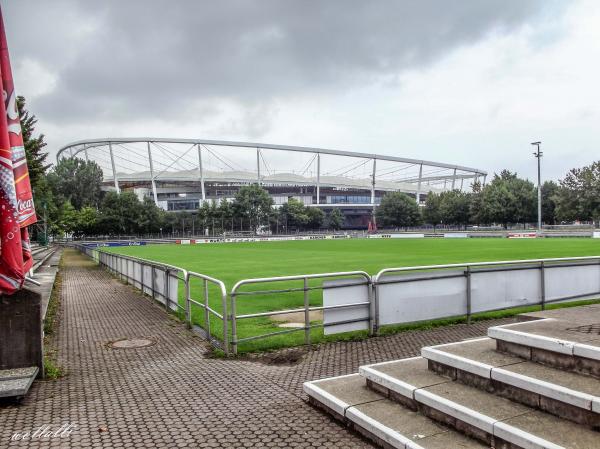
(469,82)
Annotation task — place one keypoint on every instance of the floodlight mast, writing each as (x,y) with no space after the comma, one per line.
(538,155)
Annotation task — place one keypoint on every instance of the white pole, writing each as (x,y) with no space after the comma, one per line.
(112,162)
(419,184)
(201,173)
(318,178)
(258,164)
(152,175)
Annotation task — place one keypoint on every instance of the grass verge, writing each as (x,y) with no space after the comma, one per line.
(52,370)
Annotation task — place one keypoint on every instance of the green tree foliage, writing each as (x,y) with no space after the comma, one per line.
(316,217)
(226,215)
(36,163)
(67,219)
(431,212)
(335,219)
(119,213)
(549,193)
(476,203)
(294,214)
(508,199)
(150,218)
(170,222)
(253,205)
(454,207)
(578,197)
(34,145)
(87,222)
(205,215)
(77,181)
(399,210)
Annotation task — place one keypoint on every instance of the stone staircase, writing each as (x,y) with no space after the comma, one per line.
(529,385)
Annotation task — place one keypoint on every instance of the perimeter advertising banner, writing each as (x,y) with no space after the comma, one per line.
(16,201)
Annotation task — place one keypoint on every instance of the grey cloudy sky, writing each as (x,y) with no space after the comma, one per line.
(469,82)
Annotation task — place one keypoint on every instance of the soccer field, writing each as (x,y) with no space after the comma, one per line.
(231,262)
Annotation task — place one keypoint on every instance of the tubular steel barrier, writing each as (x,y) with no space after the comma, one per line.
(353,300)
(161,282)
(207,310)
(306,309)
(444,291)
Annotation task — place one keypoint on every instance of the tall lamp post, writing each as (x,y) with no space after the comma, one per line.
(538,155)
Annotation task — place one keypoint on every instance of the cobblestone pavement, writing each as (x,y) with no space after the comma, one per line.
(171,394)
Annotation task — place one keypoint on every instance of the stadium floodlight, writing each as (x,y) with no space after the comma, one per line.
(538,155)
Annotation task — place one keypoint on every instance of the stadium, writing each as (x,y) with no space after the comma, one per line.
(179,174)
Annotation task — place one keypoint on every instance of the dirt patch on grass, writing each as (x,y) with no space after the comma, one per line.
(297,317)
(285,357)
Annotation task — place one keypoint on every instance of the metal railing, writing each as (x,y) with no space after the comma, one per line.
(137,272)
(206,310)
(468,271)
(306,309)
(392,296)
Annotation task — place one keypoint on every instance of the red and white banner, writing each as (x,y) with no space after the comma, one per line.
(522,235)
(16,201)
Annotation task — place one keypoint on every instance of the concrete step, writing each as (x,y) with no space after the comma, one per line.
(16,382)
(563,344)
(477,363)
(381,420)
(493,420)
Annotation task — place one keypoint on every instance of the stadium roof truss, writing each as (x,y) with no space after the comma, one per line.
(146,161)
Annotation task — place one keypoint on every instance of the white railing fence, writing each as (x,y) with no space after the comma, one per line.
(352,301)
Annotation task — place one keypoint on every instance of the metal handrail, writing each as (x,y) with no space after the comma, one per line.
(166,268)
(480,264)
(297,277)
(205,305)
(306,309)
(537,264)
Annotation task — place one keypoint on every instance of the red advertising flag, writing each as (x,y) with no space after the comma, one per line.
(16,201)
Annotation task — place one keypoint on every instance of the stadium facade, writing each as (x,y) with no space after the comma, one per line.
(180,174)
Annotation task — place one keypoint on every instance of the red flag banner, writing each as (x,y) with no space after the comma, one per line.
(16,201)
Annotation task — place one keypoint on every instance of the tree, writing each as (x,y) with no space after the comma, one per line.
(77,181)
(36,157)
(454,207)
(67,220)
(578,197)
(508,199)
(399,210)
(37,166)
(431,211)
(316,217)
(254,205)
(170,220)
(87,222)
(226,214)
(150,219)
(294,214)
(549,193)
(205,215)
(119,213)
(476,203)
(335,220)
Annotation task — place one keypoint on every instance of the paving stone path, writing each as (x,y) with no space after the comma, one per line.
(172,394)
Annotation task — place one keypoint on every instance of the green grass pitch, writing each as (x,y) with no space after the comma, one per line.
(231,262)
